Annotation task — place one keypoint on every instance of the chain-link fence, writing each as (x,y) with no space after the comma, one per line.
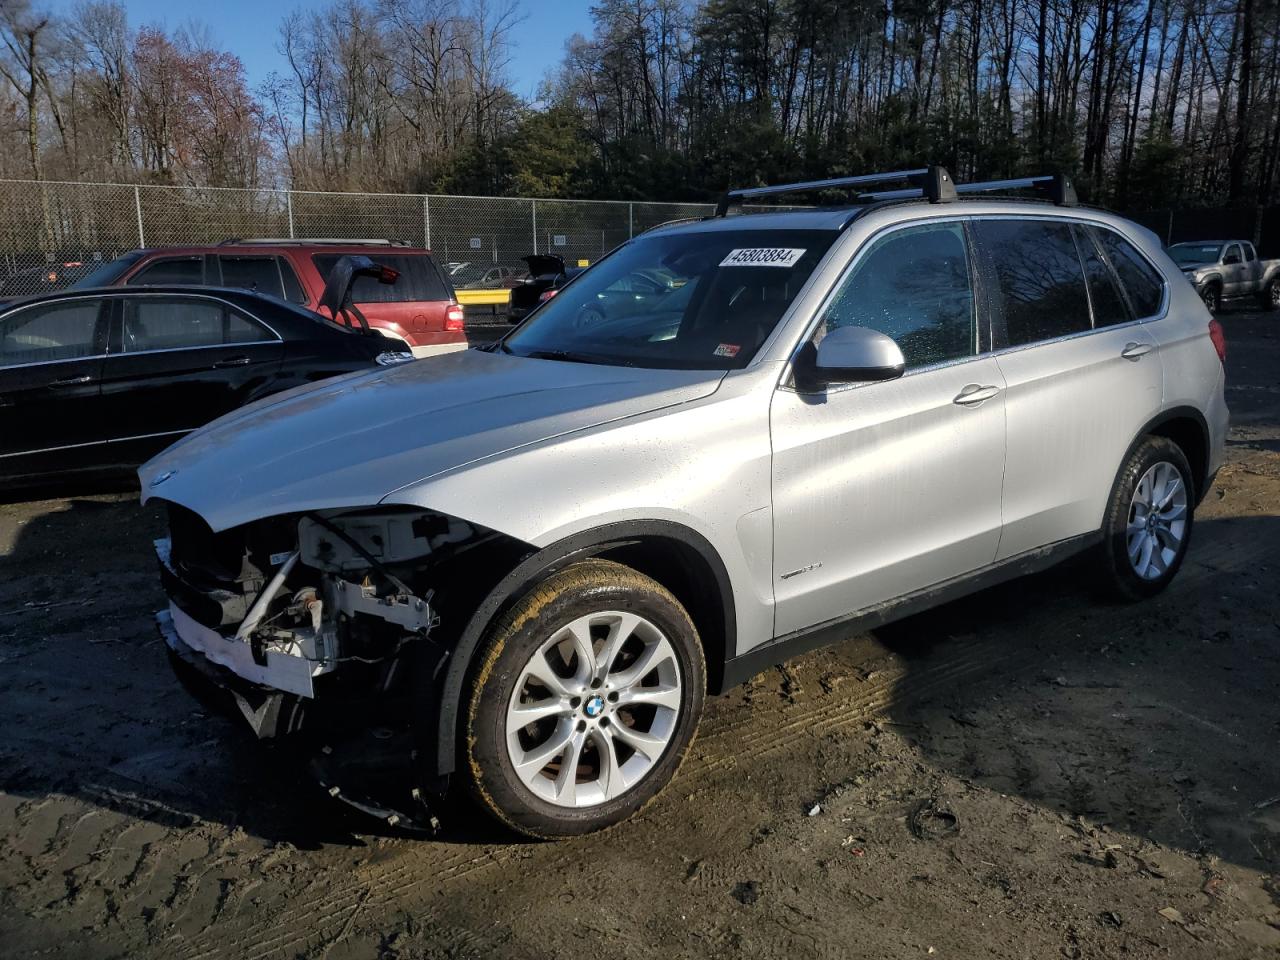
(51,233)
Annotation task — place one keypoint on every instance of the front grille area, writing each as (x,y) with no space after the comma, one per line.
(215,558)
(214,577)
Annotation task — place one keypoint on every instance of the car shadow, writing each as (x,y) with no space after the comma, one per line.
(1157,718)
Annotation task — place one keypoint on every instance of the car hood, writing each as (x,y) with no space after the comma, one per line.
(353,440)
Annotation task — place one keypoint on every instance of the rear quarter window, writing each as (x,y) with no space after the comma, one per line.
(419,279)
(1144,286)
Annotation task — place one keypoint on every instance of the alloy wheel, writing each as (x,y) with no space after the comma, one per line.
(1157,520)
(594,709)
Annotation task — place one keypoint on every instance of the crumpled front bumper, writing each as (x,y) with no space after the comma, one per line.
(270,712)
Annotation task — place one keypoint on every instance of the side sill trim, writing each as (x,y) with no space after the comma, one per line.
(742,668)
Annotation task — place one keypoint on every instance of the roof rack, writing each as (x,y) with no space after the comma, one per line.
(932,180)
(931,183)
(310,241)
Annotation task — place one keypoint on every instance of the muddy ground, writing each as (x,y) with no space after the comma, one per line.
(1027,773)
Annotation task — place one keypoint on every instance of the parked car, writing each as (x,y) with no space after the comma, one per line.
(1228,270)
(421,309)
(100,379)
(545,553)
(43,279)
(485,276)
(547,274)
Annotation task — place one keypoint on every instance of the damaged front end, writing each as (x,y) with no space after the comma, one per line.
(319,622)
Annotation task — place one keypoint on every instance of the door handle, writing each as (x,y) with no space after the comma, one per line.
(72,381)
(1135,351)
(232,362)
(974,394)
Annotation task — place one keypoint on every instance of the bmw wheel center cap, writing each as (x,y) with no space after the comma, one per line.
(594,707)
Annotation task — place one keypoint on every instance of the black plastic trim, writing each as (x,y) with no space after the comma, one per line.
(744,667)
(437,736)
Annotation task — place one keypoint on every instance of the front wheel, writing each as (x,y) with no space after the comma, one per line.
(1147,527)
(1212,297)
(587,695)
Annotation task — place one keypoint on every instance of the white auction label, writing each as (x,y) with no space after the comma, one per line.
(762,257)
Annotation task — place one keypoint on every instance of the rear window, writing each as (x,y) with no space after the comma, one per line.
(259,274)
(419,279)
(170,270)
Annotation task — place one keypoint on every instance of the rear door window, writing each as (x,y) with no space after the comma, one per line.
(260,274)
(419,280)
(185,323)
(1144,286)
(1039,282)
(50,332)
(164,323)
(170,270)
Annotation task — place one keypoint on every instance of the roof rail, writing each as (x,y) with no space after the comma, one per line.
(311,241)
(1056,187)
(935,183)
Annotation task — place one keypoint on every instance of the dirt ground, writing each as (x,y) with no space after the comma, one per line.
(1026,773)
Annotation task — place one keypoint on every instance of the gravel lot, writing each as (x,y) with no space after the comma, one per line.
(1026,773)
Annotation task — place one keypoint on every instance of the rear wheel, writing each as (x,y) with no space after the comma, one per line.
(1269,298)
(586,698)
(1147,528)
(1212,297)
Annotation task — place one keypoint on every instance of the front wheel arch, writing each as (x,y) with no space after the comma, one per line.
(652,547)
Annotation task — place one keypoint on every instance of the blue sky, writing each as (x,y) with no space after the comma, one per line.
(248,28)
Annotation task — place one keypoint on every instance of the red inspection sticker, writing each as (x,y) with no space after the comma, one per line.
(727,350)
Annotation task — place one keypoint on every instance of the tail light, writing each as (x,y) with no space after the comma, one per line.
(453,318)
(1219,339)
(546,295)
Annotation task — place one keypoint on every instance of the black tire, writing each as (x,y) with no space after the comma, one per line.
(1212,297)
(1119,576)
(512,641)
(1269,298)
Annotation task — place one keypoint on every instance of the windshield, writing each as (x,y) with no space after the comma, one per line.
(1190,254)
(699,301)
(107,274)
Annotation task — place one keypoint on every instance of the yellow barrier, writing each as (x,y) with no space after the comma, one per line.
(484,298)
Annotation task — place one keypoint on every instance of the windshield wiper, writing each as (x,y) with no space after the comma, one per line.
(570,356)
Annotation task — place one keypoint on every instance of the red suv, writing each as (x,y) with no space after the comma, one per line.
(420,308)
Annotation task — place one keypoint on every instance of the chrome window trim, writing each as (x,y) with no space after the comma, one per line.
(130,295)
(93,443)
(786,380)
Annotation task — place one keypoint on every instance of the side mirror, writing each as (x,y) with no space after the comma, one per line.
(849,355)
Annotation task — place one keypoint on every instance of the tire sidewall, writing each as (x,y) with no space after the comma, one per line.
(510,647)
(1123,580)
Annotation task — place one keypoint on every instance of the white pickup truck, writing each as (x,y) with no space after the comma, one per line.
(1223,270)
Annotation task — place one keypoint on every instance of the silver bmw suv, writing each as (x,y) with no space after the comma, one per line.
(518,570)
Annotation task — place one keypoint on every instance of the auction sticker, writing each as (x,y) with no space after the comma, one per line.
(762,257)
(726,350)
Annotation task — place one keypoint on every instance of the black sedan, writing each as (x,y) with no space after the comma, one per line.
(101,379)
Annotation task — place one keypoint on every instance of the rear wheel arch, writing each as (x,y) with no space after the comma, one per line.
(677,557)
(1186,427)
